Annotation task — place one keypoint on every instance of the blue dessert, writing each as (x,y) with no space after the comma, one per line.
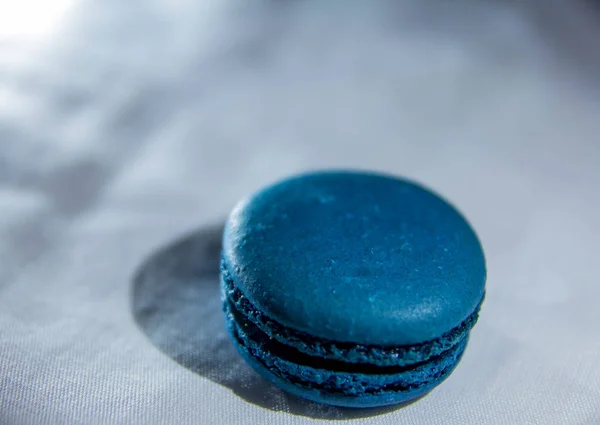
(350,288)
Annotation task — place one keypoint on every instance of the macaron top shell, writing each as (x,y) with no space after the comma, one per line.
(355,257)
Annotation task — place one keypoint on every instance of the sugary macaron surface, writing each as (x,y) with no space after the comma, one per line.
(350,267)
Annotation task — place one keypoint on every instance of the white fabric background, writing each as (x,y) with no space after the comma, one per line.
(125,125)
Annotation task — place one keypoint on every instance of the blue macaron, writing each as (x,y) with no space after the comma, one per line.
(351,288)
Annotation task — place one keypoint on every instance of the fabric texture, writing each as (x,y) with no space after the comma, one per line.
(128,131)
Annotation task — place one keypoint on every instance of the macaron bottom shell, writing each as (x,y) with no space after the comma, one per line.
(336,382)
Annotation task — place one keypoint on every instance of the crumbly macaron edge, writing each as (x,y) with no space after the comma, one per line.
(316,376)
(351,352)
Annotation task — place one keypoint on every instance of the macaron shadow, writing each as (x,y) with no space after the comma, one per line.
(175,301)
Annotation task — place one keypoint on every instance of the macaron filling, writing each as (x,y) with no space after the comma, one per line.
(351,352)
(339,368)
